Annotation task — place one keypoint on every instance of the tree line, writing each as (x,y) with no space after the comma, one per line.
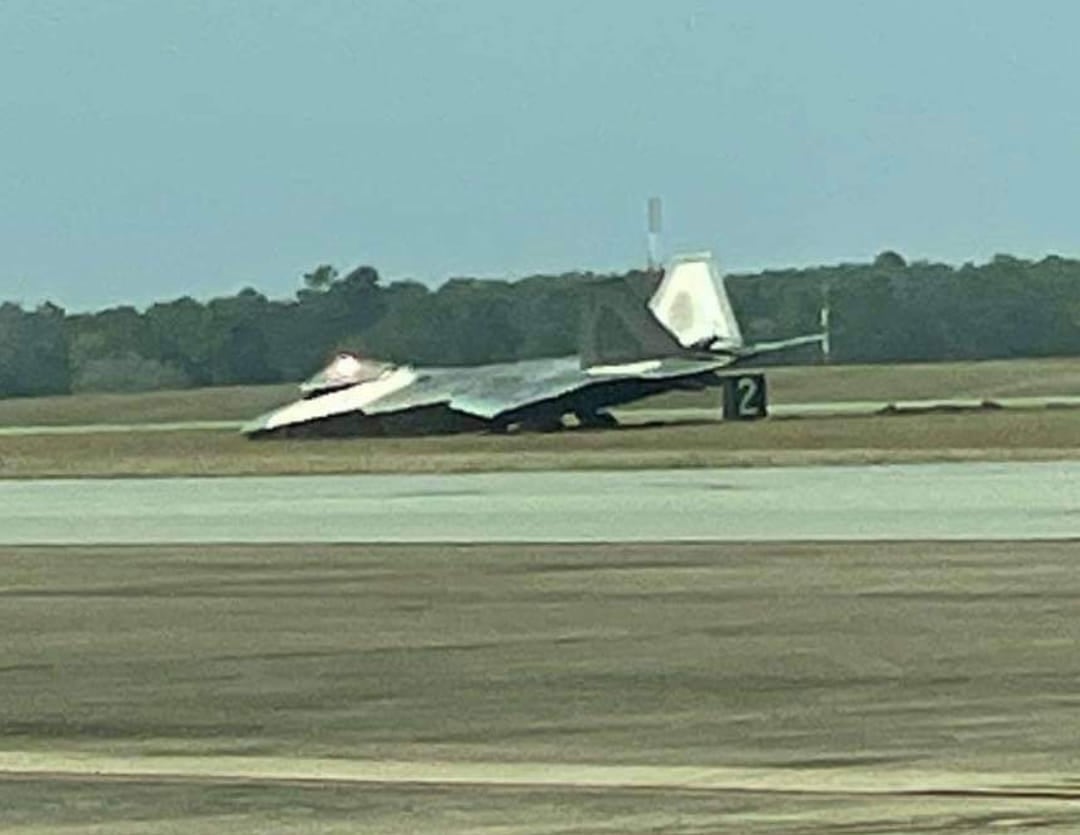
(884,311)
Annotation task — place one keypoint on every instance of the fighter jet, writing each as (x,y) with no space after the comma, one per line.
(682,336)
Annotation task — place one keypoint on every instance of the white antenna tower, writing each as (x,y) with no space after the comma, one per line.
(825,317)
(655,212)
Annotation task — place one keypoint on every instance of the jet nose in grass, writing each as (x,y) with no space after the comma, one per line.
(256,426)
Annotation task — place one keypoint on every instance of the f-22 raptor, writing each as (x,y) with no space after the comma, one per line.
(683,335)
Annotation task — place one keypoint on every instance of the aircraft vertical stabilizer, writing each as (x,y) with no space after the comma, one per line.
(617,327)
(693,304)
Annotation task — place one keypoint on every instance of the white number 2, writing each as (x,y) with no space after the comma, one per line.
(747,388)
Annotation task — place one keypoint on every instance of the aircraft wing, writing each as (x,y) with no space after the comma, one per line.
(493,391)
(494,395)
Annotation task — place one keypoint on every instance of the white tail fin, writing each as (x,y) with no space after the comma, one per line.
(692,303)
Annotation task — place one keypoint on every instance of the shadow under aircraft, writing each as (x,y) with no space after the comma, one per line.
(681,334)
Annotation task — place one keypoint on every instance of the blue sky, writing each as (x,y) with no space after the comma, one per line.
(155,149)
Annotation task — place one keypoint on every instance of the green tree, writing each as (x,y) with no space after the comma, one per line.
(33,351)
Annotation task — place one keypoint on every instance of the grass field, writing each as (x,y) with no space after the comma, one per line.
(821,688)
(235,403)
(982,435)
(886,383)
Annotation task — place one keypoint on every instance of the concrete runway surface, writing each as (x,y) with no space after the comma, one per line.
(970,501)
(677,688)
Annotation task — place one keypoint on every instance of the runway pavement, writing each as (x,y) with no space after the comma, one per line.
(113,428)
(971,501)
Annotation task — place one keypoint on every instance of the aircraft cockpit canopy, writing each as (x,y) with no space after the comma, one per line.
(345,369)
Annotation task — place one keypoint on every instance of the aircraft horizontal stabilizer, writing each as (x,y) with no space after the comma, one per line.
(759,348)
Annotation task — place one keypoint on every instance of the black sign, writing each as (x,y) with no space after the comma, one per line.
(745,397)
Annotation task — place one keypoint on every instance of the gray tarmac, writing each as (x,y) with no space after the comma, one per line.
(967,501)
(113,428)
